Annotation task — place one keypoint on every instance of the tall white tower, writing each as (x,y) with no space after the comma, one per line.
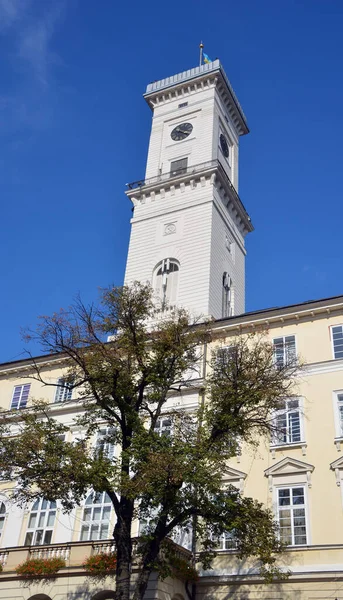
(189,225)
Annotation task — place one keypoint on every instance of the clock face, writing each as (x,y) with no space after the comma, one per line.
(180,132)
(224,145)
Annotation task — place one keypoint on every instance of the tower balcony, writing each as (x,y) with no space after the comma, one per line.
(139,190)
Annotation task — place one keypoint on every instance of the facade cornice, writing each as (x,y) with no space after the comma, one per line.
(190,82)
(323,308)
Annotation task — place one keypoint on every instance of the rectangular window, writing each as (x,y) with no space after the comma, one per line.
(287,423)
(64,391)
(183,104)
(20,396)
(163,426)
(177,167)
(226,541)
(284,350)
(104,442)
(292,516)
(337,340)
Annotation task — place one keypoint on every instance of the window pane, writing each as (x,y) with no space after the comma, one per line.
(47,537)
(87,515)
(106,513)
(298,496)
(96,514)
(84,533)
(103,531)
(51,519)
(39,536)
(41,519)
(32,520)
(284,497)
(28,538)
(94,532)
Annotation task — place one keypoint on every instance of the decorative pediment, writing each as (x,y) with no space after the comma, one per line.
(337,466)
(231,475)
(289,466)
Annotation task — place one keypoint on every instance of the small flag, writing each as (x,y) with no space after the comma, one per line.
(206,58)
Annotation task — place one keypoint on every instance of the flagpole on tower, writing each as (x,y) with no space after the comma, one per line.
(200,58)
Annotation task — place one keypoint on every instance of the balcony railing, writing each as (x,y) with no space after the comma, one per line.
(74,553)
(212,164)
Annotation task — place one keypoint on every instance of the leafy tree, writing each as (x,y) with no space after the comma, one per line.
(168,481)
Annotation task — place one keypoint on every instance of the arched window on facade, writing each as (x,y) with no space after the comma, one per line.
(226,296)
(2,517)
(41,523)
(166,280)
(96,517)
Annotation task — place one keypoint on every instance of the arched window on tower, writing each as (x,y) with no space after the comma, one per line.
(227,308)
(165,281)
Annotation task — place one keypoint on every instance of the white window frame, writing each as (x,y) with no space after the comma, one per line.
(22,386)
(292,486)
(95,523)
(332,341)
(287,411)
(161,428)
(42,509)
(64,392)
(283,337)
(3,516)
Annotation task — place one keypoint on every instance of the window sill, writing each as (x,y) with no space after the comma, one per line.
(275,447)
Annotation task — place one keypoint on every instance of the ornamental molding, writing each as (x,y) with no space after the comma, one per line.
(230,475)
(337,466)
(289,466)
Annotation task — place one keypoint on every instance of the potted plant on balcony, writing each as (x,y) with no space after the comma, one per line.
(100,565)
(40,568)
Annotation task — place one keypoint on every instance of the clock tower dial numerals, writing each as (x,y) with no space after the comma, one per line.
(180,132)
(224,145)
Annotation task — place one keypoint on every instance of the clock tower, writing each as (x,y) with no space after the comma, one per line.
(189,224)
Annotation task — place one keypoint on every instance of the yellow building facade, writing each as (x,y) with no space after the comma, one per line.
(298,473)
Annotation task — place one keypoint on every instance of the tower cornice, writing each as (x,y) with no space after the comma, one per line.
(147,190)
(190,81)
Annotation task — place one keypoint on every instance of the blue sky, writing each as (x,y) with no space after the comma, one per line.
(75,128)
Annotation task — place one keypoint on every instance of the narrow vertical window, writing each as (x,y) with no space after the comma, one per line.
(64,390)
(166,278)
(2,517)
(226,295)
(41,523)
(292,516)
(284,350)
(337,340)
(96,517)
(20,396)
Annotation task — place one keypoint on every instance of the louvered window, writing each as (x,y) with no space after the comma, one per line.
(178,167)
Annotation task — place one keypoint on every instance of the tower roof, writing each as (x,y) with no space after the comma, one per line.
(202,72)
